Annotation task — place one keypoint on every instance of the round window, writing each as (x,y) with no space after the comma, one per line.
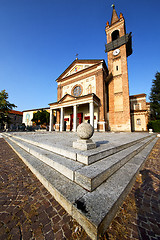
(77,91)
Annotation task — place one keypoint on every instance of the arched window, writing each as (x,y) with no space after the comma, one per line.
(115,35)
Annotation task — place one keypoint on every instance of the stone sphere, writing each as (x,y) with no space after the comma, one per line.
(85,131)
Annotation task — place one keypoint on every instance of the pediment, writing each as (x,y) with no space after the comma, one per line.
(66,98)
(77,66)
(69,100)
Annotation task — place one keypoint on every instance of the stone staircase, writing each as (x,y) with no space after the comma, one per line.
(90,185)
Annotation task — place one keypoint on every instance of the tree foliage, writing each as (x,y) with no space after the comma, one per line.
(155,98)
(41,117)
(5,107)
(154,125)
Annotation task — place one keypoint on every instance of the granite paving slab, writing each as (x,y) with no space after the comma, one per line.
(65,188)
(93,175)
(93,210)
(139,215)
(61,143)
(66,139)
(64,165)
(101,204)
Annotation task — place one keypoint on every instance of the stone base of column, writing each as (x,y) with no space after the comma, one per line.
(83,144)
(57,127)
(101,126)
(68,127)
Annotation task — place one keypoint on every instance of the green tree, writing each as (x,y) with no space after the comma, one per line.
(5,107)
(41,117)
(36,118)
(155,98)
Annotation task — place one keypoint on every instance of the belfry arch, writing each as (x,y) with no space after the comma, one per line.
(115,35)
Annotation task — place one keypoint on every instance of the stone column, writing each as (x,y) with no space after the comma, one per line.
(91,109)
(62,120)
(51,120)
(74,118)
(57,126)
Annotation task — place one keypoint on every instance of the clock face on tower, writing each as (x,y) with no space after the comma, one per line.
(116,52)
(77,91)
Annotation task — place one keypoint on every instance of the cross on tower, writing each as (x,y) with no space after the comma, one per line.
(77,56)
(113,6)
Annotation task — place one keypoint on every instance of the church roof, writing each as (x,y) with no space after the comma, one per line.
(36,109)
(137,95)
(16,112)
(89,62)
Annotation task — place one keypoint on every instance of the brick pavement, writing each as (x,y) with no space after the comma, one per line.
(139,216)
(28,211)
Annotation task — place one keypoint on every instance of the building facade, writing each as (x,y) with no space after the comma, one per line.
(89,91)
(28,115)
(81,96)
(140,110)
(15,120)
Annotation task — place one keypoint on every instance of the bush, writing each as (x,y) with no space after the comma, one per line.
(22,127)
(30,128)
(155,125)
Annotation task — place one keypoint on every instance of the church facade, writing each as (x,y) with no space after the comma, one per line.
(89,91)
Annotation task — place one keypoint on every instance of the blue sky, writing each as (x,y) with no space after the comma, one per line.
(39,39)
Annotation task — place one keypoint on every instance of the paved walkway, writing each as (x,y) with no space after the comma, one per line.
(139,216)
(28,211)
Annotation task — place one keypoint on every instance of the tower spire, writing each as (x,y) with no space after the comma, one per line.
(118,48)
(114,15)
(113,5)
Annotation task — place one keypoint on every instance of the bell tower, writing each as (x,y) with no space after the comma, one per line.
(118,47)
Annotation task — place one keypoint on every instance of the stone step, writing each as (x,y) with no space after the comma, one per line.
(93,210)
(91,156)
(89,177)
(101,205)
(92,176)
(64,165)
(69,153)
(85,157)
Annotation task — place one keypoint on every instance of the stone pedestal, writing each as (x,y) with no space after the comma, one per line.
(150,130)
(83,144)
(85,132)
